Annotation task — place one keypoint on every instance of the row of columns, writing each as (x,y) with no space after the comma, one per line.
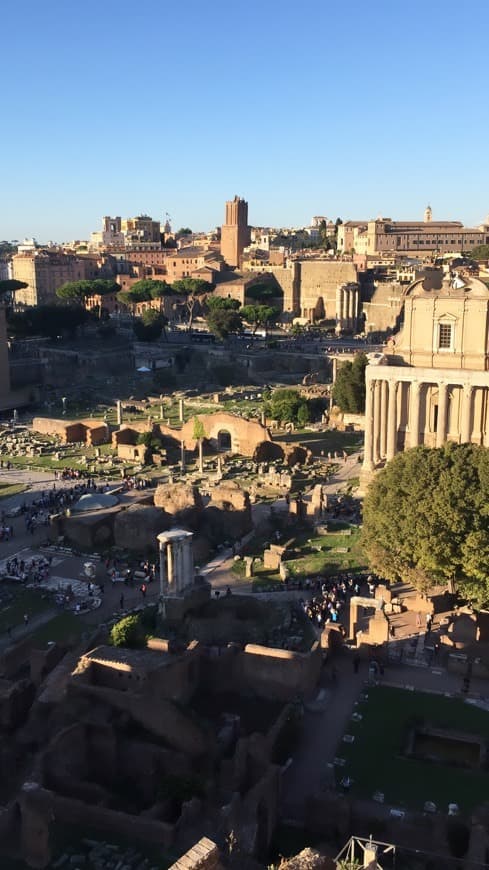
(347,302)
(381,414)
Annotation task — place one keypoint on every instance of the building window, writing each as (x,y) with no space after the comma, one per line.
(445,336)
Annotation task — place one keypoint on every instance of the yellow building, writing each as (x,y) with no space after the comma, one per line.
(432,384)
(410,238)
(45,270)
(141,231)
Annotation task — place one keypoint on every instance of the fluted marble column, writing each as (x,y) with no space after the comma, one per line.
(368,463)
(441,428)
(392,421)
(414,403)
(466,422)
(377,424)
(383,419)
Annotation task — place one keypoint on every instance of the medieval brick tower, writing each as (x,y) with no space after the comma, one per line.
(235,232)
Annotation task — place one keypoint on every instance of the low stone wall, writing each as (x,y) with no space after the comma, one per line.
(72,431)
(39,807)
(278,673)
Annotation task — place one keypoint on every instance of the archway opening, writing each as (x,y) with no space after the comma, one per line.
(224,440)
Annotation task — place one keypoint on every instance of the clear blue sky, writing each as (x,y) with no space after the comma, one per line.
(352,109)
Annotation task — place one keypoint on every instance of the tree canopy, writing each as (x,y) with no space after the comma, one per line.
(349,389)
(49,320)
(426,519)
(288,406)
(150,325)
(78,291)
(128,632)
(148,288)
(259,315)
(196,286)
(480,253)
(263,291)
(223,321)
(7,248)
(215,302)
(10,285)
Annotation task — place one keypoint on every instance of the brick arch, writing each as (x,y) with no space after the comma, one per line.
(245,434)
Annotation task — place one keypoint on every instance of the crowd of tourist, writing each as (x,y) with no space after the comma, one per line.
(72,474)
(136,483)
(332,595)
(31,571)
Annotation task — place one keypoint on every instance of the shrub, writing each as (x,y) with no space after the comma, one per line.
(128,632)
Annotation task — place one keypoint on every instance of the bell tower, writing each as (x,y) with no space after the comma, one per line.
(428,214)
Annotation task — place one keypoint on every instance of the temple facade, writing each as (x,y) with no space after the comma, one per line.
(432,383)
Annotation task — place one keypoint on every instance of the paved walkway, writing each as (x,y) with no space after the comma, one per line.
(323,730)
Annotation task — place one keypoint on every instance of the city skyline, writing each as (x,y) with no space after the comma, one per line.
(121,111)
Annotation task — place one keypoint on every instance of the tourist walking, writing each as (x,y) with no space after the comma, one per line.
(143,590)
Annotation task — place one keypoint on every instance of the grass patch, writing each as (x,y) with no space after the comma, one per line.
(376,762)
(8,489)
(64,628)
(25,601)
(318,554)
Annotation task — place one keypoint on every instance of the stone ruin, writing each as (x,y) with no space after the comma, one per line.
(224,515)
(19,441)
(173,741)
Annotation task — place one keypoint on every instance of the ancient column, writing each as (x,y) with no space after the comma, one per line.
(180,411)
(414,400)
(441,427)
(338,304)
(189,569)
(178,565)
(377,412)
(369,421)
(163,574)
(119,412)
(383,419)
(392,421)
(466,422)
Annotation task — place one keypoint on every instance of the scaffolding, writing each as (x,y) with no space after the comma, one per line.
(362,854)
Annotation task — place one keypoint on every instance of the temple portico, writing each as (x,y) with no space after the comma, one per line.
(410,406)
